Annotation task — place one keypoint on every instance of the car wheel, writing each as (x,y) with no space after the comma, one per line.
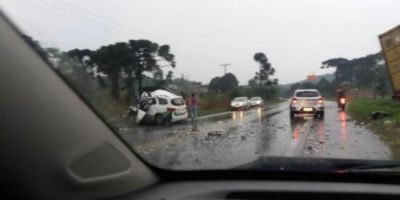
(321,114)
(343,107)
(292,114)
(159,119)
(168,119)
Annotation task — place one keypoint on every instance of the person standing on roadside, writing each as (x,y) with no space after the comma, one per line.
(187,102)
(193,111)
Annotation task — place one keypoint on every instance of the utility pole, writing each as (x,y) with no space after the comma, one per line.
(224,66)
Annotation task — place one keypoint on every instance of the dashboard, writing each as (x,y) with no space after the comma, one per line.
(269,190)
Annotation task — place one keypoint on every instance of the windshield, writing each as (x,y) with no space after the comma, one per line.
(307,94)
(164,75)
(177,102)
(240,99)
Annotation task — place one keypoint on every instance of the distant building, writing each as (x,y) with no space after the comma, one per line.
(311,77)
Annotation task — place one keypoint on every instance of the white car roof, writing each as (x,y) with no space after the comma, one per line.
(240,98)
(306,90)
(164,93)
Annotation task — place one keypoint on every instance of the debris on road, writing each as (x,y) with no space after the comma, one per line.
(238,140)
(215,133)
(378,114)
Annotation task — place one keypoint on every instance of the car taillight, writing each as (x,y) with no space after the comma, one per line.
(293,101)
(171,109)
(321,100)
(342,100)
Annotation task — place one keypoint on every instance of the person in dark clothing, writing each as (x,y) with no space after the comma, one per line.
(339,94)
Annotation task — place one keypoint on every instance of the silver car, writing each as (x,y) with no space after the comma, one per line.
(307,101)
(240,103)
(256,101)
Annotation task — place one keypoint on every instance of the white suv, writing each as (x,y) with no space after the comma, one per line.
(161,102)
(307,101)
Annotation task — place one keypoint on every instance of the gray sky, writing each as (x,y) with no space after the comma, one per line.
(296,35)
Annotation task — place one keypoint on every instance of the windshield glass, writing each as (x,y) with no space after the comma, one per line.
(164,75)
(240,99)
(177,102)
(307,94)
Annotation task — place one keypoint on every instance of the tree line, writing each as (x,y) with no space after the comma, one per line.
(363,72)
(326,87)
(130,58)
(367,72)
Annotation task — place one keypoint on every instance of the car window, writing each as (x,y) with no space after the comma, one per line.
(162,101)
(212,55)
(240,99)
(307,94)
(177,102)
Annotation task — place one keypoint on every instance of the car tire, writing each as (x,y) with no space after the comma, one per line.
(343,107)
(168,120)
(292,114)
(159,119)
(321,115)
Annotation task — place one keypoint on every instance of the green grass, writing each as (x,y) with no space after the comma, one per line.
(388,128)
(361,108)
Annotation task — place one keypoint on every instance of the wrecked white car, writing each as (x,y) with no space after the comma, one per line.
(160,107)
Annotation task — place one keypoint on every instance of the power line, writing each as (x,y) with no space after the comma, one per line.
(88,13)
(84,17)
(72,18)
(85,11)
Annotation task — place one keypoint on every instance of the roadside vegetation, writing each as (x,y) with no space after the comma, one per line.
(95,95)
(387,127)
(111,78)
(360,77)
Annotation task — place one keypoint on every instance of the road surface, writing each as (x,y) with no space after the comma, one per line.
(241,137)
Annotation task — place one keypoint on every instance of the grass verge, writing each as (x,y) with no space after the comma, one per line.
(388,128)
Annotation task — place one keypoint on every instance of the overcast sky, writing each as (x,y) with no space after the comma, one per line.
(296,35)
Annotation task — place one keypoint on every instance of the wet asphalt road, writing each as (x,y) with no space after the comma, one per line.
(241,137)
